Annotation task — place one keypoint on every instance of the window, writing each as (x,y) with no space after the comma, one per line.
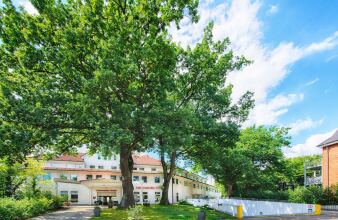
(99,157)
(98,176)
(141,168)
(173,180)
(144,179)
(157,179)
(121,178)
(113,177)
(136,178)
(100,167)
(135,168)
(137,197)
(74,196)
(177,197)
(63,176)
(176,181)
(47,176)
(145,197)
(64,193)
(92,166)
(113,167)
(157,196)
(194,185)
(89,177)
(153,169)
(114,156)
(73,177)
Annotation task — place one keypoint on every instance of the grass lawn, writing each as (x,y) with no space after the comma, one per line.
(159,212)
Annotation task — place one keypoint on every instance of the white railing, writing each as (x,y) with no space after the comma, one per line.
(255,208)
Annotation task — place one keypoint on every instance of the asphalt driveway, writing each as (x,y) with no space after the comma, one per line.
(332,215)
(72,212)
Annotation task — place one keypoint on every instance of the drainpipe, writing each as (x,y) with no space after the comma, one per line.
(328,171)
(172,190)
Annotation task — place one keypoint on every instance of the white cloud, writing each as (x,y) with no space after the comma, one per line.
(267,113)
(301,125)
(311,82)
(239,21)
(273,9)
(309,147)
(27,5)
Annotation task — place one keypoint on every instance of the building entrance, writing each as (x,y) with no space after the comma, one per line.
(103,196)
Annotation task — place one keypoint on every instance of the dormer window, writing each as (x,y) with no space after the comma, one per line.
(153,169)
(100,167)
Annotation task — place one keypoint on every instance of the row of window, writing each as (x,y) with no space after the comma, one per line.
(142,169)
(102,167)
(145,198)
(144,179)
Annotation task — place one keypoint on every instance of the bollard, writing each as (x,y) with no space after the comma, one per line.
(240,212)
(202,215)
(318,209)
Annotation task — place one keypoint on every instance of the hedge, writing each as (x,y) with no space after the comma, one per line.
(11,209)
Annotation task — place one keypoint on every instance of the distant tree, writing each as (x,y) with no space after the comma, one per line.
(254,161)
(294,173)
(87,72)
(15,175)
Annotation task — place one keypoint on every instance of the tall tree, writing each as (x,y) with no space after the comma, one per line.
(89,72)
(201,91)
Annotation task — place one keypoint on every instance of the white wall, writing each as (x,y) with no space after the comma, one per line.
(106,163)
(83,191)
(255,208)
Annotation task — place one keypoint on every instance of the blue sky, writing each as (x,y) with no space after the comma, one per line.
(294,46)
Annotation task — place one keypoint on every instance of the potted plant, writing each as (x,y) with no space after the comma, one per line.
(65,200)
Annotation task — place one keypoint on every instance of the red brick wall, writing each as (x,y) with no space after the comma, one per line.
(330,165)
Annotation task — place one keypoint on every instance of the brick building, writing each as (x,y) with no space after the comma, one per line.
(330,160)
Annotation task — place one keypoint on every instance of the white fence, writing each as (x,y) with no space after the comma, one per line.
(255,208)
(330,207)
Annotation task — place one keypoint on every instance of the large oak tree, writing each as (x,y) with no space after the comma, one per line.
(87,72)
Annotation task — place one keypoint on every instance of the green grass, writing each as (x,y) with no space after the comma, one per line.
(159,212)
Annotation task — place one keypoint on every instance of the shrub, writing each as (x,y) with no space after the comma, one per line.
(135,213)
(183,202)
(11,209)
(311,194)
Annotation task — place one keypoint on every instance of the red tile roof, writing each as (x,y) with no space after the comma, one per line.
(74,158)
(146,160)
(138,159)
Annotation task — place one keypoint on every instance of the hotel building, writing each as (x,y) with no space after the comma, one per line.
(330,160)
(90,178)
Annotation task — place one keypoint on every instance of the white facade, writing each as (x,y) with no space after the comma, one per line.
(86,179)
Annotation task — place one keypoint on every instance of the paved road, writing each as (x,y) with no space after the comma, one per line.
(73,212)
(325,215)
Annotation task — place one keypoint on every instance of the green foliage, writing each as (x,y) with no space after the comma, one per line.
(183,202)
(314,194)
(135,213)
(294,171)
(11,209)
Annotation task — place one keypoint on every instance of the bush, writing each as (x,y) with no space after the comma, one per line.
(11,209)
(183,202)
(311,194)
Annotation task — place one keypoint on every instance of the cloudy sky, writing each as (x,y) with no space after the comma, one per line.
(294,46)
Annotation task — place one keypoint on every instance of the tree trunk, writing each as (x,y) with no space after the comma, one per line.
(126,166)
(229,189)
(167,175)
